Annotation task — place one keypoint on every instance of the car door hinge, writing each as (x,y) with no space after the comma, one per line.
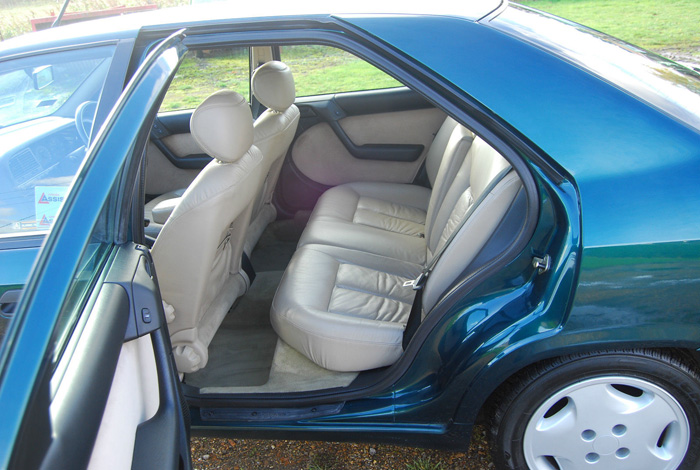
(542,264)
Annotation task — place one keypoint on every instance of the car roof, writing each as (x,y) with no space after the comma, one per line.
(126,26)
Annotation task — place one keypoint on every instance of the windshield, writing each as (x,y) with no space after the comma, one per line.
(37,91)
(48,104)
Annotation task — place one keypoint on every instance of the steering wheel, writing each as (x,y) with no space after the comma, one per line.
(84,116)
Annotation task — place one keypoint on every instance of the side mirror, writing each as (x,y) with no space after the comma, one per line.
(42,77)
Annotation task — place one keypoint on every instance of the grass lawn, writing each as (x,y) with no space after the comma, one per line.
(651,24)
(199,77)
(321,69)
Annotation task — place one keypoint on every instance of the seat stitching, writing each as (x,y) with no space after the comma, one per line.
(376,294)
(386,214)
(370,209)
(390,230)
(350,263)
(335,281)
(342,260)
(343,339)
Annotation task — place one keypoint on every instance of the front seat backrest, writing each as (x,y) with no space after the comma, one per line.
(198,252)
(273,86)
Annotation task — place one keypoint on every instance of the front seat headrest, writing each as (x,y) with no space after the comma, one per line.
(222,125)
(273,85)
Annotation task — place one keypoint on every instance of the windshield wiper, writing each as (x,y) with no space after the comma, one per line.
(57,21)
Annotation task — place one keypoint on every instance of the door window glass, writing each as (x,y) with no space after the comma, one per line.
(321,70)
(93,258)
(204,72)
(47,106)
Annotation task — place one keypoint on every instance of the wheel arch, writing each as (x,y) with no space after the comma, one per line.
(590,385)
(482,396)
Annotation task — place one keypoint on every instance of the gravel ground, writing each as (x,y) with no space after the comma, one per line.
(251,454)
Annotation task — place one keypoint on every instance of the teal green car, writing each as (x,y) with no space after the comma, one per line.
(369,225)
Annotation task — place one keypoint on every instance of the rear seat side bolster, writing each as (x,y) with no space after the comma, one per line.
(458,147)
(471,239)
(433,159)
(338,203)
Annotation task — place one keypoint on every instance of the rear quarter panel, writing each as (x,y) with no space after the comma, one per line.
(632,169)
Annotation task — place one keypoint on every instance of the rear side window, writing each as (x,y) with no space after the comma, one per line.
(320,70)
(204,72)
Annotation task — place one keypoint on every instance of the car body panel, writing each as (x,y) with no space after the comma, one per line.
(211,16)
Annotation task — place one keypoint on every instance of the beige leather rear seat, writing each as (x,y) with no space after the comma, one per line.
(391,216)
(342,300)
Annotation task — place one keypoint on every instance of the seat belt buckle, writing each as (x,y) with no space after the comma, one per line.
(417,283)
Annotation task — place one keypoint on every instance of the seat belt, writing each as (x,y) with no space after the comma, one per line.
(418,284)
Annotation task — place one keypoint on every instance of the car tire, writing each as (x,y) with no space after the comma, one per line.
(601,411)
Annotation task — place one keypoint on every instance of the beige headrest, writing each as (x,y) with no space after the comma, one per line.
(273,85)
(223,126)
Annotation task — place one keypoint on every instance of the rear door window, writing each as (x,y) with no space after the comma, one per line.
(320,70)
(204,72)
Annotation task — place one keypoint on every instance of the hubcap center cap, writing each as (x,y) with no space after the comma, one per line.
(606,445)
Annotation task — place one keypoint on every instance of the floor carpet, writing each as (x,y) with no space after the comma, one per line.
(242,349)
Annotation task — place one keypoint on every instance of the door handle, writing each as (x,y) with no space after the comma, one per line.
(8,302)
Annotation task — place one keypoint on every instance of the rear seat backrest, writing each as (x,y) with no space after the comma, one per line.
(481,165)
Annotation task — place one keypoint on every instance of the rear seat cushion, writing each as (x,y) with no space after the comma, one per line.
(344,309)
(382,219)
(399,208)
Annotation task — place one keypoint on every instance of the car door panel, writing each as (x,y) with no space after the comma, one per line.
(116,382)
(81,398)
(133,399)
(379,135)
(173,157)
(141,419)
(171,134)
(393,144)
(162,175)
